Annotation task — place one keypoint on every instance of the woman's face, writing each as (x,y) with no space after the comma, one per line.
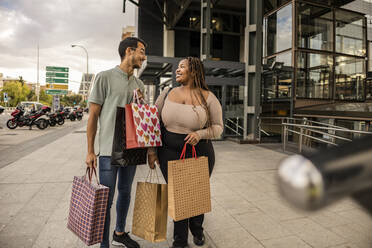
(183,73)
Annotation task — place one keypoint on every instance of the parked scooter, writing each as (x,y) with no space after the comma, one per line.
(79,114)
(19,119)
(60,117)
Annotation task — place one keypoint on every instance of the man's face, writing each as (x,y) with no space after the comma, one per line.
(138,56)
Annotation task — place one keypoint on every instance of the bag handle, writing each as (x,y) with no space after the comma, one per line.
(89,172)
(183,154)
(136,99)
(151,176)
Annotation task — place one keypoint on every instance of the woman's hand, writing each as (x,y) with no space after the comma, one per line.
(140,94)
(152,159)
(192,139)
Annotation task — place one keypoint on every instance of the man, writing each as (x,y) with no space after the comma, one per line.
(114,88)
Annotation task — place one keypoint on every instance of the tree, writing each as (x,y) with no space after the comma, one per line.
(16,92)
(44,98)
(71,100)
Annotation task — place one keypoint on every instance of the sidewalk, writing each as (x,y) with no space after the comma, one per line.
(247,210)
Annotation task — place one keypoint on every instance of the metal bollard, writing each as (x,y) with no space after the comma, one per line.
(315,181)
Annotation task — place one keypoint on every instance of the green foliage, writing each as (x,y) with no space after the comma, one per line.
(16,93)
(71,100)
(45,99)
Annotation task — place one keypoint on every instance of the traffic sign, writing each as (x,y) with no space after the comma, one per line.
(56,92)
(57,74)
(5,97)
(57,86)
(57,69)
(57,80)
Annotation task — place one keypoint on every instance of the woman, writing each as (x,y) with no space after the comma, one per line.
(190,114)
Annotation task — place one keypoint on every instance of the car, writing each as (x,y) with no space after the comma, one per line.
(1,109)
(31,106)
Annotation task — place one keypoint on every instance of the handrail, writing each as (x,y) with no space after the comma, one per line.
(315,138)
(316,129)
(230,128)
(327,128)
(303,119)
(228,119)
(236,125)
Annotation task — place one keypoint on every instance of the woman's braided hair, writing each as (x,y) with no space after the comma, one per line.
(196,69)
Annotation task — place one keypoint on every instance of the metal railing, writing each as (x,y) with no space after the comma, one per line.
(234,126)
(307,129)
(290,128)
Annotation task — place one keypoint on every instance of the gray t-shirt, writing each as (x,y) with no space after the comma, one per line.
(111,88)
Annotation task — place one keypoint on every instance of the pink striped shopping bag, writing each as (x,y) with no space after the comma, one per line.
(88,208)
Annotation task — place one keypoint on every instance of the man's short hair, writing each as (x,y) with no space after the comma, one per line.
(129,42)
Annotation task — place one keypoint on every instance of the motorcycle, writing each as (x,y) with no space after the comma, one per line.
(60,117)
(19,119)
(52,119)
(79,114)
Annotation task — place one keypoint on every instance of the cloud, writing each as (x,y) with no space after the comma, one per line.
(55,25)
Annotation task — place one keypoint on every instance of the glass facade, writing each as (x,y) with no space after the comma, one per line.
(315,27)
(350,78)
(327,59)
(277,82)
(278,33)
(314,75)
(350,33)
(277,51)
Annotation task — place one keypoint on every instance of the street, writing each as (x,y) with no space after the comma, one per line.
(19,142)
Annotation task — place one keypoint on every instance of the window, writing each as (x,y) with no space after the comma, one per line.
(314,75)
(278,77)
(278,31)
(315,27)
(350,33)
(350,77)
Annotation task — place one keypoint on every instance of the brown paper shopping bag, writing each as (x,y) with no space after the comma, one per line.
(150,211)
(188,186)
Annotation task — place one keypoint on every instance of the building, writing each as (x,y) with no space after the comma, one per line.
(275,58)
(128,31)
(86,84)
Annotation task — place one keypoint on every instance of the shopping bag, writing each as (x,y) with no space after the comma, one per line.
(120,155)
(88,206)
(142,124)
(150,211)
(188,186)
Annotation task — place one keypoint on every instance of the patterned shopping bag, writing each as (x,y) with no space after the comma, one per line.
(88,208)
(142,125)
(189,191)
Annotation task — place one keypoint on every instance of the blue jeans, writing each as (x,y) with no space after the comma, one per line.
(107,177)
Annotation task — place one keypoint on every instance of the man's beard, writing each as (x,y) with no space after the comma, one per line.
(135,66)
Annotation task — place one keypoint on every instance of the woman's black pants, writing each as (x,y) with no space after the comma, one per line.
(171,150)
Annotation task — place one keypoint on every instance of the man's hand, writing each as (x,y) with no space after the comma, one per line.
(192,139)
(152,160)
(91,160)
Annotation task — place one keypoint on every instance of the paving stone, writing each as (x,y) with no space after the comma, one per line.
(247,210)
(233,237)
(261,226)
(285,242)
(9,211)
(313,233)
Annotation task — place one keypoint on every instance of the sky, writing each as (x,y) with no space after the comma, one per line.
(55,25)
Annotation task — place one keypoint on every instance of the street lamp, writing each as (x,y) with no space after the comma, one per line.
(87,76)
